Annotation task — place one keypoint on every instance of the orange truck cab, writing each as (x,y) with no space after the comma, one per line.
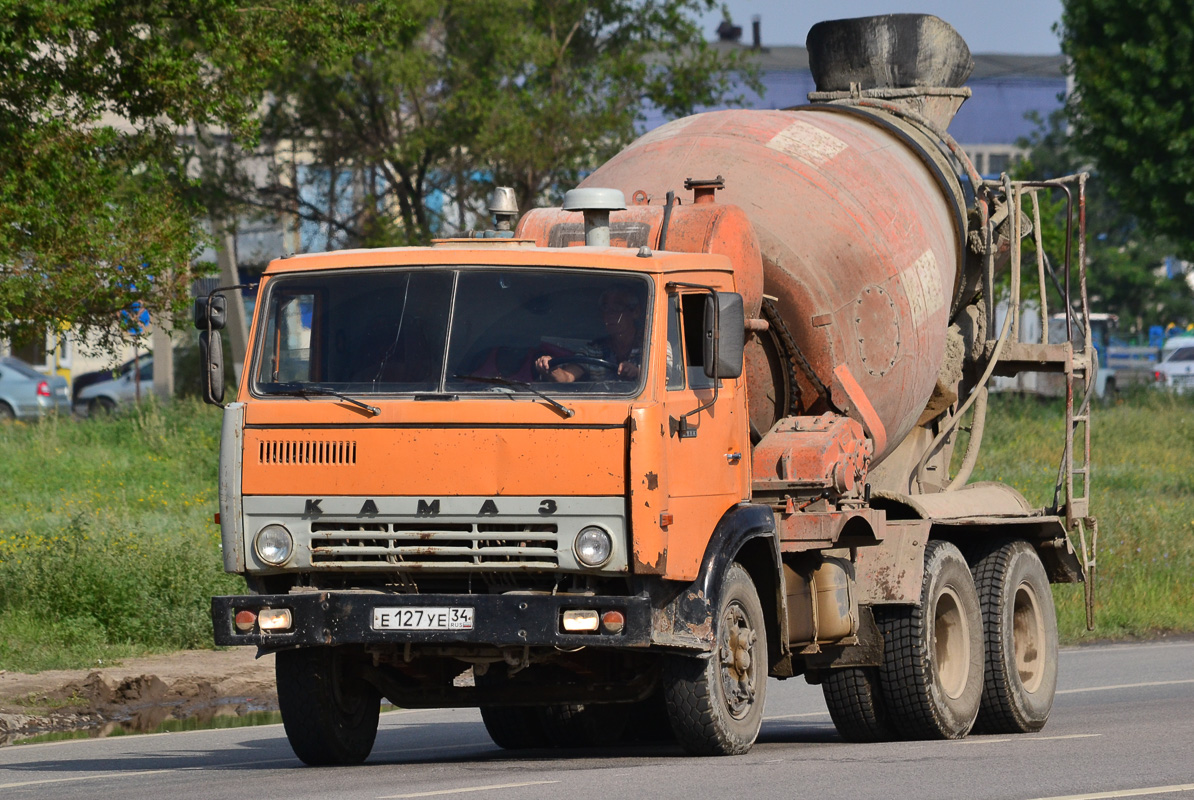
(495,455)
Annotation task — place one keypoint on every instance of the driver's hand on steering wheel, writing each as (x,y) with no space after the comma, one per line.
(562,374)
(628,371)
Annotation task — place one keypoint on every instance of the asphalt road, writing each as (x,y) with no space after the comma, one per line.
(1122,726)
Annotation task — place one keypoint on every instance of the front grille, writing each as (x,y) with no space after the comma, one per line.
(281,452)
(460,546)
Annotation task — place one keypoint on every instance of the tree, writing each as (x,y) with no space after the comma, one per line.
(95,215)
(402,142)
(1124,261)
(1133,109)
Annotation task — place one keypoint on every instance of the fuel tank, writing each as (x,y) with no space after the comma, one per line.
(860,219)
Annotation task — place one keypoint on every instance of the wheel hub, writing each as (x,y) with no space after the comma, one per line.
(1028,636)
(739,665)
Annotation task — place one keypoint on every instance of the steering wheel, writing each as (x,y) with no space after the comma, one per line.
(583,361)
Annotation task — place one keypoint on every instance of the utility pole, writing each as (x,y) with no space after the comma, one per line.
(238,332)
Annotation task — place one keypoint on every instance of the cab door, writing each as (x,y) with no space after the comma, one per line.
(707,452)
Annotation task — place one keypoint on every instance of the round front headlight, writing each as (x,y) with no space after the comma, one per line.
(274,545)
(593,546)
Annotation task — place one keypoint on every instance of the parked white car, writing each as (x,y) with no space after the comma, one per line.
(107,396)
(1176,368)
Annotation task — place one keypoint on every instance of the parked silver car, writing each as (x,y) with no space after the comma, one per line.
(106,396)
(26,394)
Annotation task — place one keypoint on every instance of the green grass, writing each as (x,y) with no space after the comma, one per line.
(108,549)
(107,545)
(1142,493)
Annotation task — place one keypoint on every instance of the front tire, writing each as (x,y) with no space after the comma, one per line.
(932,673)
(329,711)
(715,703)
(1021,640)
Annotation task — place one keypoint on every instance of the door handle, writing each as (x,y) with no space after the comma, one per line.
(733,458)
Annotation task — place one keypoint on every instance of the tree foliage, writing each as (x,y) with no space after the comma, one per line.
(1125,274)
(1133,109)
(94,209)
(402,142)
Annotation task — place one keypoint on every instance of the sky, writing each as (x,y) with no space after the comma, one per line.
(989,26)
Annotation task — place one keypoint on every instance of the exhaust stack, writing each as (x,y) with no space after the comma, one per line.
(916,61)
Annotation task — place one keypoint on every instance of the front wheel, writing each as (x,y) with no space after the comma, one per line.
(715,703)
(329,711)
(932,673)
(1021,639)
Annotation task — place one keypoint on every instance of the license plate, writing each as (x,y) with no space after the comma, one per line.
(421,618)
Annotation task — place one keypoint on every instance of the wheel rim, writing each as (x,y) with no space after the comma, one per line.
(952,646)
(1028,636)
(739,666)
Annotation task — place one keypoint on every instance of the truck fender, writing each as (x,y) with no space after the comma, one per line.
(745,534)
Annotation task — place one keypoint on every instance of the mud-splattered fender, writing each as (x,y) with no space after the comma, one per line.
(746,535)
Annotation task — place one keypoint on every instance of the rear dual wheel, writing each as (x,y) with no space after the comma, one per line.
(1021,639)
(932,673)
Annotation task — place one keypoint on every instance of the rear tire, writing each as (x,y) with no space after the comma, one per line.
(514,727)
(329,711)
(855,702)
(585,725)
(932,673)
(1021,640)
(715,703)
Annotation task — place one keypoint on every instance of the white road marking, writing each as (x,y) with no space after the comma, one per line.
(1125,686)
(1117,648)
(436,747)
(796,716)
(105,776)
(467,789)
(1184,787)
(1068,736)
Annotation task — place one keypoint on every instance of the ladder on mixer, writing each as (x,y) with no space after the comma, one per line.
(1075,358)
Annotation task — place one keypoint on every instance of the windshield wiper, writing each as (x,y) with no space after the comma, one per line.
(299,390)
(556,404)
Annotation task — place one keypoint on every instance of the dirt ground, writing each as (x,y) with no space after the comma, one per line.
(137,694)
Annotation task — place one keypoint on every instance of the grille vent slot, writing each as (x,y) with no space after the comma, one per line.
(451,547)
(307,452)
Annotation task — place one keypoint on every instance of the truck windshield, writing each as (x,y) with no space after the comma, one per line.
(428,330)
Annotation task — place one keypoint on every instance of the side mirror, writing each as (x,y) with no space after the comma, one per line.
(725,335)
(211,358)
(211,311)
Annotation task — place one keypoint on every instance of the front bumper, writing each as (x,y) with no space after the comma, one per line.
(345,617)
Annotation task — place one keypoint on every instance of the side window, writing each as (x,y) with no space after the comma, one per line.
(685,342)
(289,340)
(693,313)
(675,347)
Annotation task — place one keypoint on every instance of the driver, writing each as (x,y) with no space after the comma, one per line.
(621,347)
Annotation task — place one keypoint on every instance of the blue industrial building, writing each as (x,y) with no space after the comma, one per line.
(1006,89)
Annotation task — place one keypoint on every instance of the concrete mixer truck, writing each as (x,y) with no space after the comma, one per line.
(605,471)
